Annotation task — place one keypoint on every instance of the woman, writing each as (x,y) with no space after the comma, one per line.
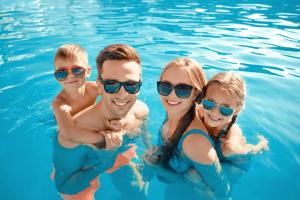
(184,145)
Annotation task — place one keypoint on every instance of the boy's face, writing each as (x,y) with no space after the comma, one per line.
(120,102)
(72,81)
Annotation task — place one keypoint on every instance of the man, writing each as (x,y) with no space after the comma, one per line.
(119,78)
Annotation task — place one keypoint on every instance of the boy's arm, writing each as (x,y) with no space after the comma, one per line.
(69,129)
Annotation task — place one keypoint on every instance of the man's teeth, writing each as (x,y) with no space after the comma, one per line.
(120,103)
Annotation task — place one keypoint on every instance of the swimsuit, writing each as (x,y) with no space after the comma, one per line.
(211,173)
(76,167)
(241,161)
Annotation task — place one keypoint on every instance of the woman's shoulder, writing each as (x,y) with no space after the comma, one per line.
(198,147)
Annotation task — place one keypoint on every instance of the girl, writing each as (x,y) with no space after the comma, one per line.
(224,99)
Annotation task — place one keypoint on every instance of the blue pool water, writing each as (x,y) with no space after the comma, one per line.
(258,39)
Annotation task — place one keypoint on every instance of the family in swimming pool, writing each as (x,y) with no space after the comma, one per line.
(198,134)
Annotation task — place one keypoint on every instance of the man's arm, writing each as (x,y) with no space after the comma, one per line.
(69,129)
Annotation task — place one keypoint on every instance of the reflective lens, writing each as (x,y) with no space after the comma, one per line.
(182,91)
(62,74)
(224,110)
(113,86)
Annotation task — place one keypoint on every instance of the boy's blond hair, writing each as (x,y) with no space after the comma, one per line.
(72,52)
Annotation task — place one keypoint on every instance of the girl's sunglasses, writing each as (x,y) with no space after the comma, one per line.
(224,110)
(182,91)
(63,73)
(113,86)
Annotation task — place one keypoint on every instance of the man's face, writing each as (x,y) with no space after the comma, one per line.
(120,102)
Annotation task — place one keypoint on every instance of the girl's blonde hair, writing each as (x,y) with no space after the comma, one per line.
(230,82)
(193,68)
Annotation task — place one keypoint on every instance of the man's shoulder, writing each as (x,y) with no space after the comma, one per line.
(91,88)
(141,109)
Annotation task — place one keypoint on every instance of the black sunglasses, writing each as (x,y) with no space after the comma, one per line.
(113,86)
(182,90)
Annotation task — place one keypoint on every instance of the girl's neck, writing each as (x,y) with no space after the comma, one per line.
(215,131)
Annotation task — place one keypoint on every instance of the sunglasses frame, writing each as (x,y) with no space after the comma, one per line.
(124,84)
(174,87)
(68,71)
(221,107)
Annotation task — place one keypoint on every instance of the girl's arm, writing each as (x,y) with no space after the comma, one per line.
(235,144)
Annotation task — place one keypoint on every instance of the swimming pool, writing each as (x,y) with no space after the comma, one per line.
(258,39)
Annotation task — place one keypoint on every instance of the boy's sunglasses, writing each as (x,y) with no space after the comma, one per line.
(62,74)
(113,86)
(224,110)
(182,91)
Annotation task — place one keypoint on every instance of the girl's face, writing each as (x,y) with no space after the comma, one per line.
(214,118)
(172,103)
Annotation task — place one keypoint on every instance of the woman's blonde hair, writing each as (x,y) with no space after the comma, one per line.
(193,68)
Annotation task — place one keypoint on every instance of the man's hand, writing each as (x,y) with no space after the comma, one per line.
(113,139)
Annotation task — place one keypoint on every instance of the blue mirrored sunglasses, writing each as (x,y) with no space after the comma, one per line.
(113,86)
(182,91)
(224,110)
(62,74)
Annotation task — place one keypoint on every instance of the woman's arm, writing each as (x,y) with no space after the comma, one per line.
(205,160)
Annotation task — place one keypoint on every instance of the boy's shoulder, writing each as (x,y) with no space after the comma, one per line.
(140,110)
(59,101)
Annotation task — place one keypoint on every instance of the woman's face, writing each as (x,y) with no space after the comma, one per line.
(214,118)
(172,103)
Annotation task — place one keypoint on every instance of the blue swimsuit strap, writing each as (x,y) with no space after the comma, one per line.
(194,131)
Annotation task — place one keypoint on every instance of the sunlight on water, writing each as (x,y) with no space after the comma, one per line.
(258,39)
